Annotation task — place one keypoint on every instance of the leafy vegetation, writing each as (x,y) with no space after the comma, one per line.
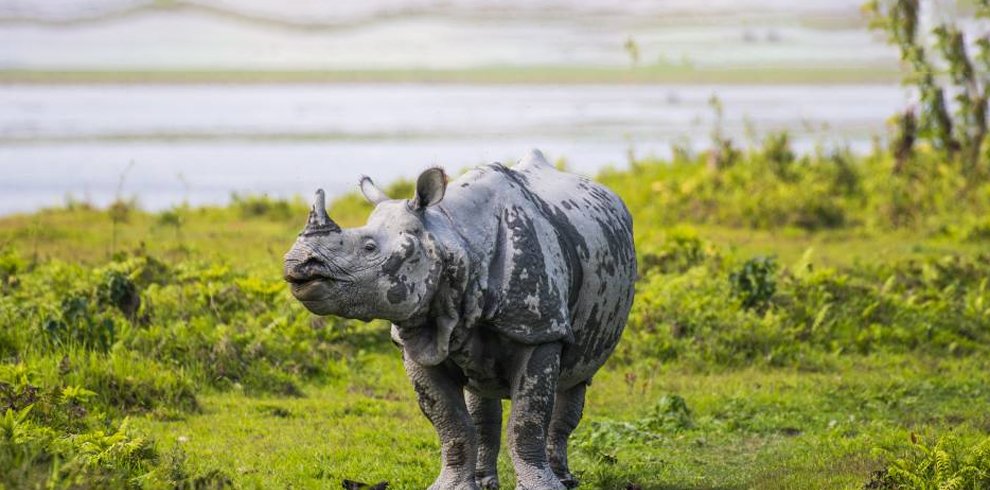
(959,133)
(945,464)
(760,352)
(86,347)
(810,320)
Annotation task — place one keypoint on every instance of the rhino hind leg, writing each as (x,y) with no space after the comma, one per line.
(487,416)
(533,383)
(567,411)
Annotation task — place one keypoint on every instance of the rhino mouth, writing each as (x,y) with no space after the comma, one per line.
(298,280)
(311,270)
(323,296)
(312,286)
(314,294)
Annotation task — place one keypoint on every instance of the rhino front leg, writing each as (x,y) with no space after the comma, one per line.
(567,412)
(534,383)
(487,416)
(441,399)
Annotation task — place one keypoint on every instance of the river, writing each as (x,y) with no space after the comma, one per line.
(200,143)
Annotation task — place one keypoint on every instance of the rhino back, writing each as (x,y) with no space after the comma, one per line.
(574,233)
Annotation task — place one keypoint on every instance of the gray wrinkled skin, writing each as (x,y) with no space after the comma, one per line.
(507,283)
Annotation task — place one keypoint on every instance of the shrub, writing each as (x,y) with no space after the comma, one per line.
(36,456)
(117,290)
(755,283)
(262,206)
(10,262)
(831,189)
(670,414)
(945,464)
(777,153)
(694,317)
(681,250)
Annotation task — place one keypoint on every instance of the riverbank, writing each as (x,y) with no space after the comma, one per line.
(563,75)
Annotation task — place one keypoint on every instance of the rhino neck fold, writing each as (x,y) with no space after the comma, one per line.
(427,336)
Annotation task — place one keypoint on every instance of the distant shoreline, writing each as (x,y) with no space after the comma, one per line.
(658,75)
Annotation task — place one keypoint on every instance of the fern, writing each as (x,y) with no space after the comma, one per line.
(945,465)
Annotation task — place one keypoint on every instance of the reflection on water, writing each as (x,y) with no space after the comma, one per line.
(200,143)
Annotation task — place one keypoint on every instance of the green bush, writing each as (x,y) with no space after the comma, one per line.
(256,206)
(716,314)
(946,463)
(754,282)
(670,414)
(695,317)
(681,250)
(770,188)
(84,345)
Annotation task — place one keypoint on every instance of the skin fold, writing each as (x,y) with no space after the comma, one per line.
(507,283)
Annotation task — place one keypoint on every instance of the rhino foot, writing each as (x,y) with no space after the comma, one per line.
(488,482)
(569,480)
(445,485)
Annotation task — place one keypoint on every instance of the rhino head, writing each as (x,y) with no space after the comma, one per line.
(388,269)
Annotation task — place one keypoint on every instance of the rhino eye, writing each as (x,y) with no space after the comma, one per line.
(370,246)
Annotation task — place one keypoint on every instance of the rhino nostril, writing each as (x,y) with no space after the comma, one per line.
(306,270)
(310,263)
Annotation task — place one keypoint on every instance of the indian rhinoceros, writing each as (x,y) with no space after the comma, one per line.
(505,283)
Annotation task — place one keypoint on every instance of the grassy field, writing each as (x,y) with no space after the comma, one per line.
(745,428)
(801,322)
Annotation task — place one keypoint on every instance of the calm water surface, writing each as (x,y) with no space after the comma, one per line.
(201,143)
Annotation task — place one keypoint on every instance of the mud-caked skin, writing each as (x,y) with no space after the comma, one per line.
(508,283)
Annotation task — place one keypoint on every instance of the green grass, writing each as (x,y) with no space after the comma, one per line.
(751,428)
(83,235)
(839,248)
(852,353)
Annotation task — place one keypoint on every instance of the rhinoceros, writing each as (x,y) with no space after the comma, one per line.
(506,283)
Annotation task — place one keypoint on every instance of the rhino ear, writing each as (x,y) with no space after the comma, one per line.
(371,192)
(430,187)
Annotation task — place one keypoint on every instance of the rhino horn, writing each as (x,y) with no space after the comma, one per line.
(319,222)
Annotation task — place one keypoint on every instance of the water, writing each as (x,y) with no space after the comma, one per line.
(201,143)
(198,144)
(448,34)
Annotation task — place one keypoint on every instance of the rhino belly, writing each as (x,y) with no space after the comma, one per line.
(595,340)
